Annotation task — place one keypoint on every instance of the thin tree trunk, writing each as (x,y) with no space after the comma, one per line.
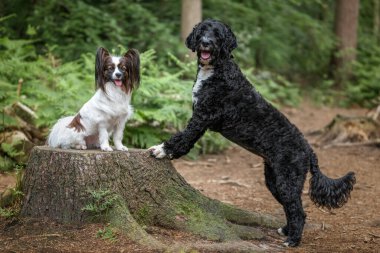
(191,15)
(346,22)
(376,18)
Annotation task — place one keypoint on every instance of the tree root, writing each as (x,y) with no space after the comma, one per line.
(120,218)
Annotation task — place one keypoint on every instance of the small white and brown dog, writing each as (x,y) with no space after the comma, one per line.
(106,113)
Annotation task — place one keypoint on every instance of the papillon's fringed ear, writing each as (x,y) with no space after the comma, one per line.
(191,41)
(133,69)
(101,55)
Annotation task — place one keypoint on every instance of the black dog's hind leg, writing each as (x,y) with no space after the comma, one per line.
(270,181)
(287,190)
(296,220)
(290,190)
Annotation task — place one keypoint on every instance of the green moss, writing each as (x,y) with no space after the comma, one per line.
(144,215)
(187,210)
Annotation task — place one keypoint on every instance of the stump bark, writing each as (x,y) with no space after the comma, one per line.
(61,184)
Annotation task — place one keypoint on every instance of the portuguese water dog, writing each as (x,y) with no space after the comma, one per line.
(225,101)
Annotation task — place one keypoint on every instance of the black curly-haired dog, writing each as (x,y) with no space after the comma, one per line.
(224,101)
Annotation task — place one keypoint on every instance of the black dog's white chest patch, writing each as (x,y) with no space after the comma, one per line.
(203,74)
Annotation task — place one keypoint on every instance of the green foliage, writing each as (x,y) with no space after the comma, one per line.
(292,38)
(82,26)
(101,203)
(108,233)
(6,163)
(7,212)
(275,87)
(288,37)
(365,89)
(10,150)
(48,87)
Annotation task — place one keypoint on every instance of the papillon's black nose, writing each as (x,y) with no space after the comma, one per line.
(118,75)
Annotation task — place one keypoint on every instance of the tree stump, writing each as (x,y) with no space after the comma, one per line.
(137,190)
(349,131)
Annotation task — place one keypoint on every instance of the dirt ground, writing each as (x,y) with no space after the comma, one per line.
(236,177)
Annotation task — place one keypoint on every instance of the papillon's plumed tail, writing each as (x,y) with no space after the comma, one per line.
(327,192)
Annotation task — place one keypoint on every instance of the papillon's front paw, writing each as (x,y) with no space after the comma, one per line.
(79,146)
(106,148)
(122,148)
(157,151)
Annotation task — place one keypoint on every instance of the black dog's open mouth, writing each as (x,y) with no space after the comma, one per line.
(205,55)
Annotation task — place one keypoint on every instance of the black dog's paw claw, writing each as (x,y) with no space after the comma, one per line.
(291,243)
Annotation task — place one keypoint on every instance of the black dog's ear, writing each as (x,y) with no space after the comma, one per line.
(230,42)
(133,69)
(101,55)
(191,41)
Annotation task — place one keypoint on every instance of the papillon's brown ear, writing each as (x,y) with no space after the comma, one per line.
(101,55)
(133,69)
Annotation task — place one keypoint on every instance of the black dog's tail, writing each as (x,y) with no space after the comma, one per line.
(327,192)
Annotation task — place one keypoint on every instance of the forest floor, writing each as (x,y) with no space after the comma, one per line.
(236,177)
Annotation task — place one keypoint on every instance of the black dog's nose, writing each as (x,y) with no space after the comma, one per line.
(118,75)
(205,42)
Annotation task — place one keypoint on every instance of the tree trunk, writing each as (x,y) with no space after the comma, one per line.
(135,189)
(346,22)
(191,14)
(376,19)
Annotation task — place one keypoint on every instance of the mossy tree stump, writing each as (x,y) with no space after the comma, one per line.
(58,184)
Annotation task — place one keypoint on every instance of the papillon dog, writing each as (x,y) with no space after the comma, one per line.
(106,113)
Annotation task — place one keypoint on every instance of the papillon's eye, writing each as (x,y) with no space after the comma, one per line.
(109,67)
(124,68)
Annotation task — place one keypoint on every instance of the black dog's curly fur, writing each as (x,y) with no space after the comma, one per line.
(227,103)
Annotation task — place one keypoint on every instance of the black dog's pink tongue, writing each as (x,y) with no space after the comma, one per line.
(118,82)
(205,55)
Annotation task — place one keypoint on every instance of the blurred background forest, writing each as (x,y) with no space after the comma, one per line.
(322,50)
